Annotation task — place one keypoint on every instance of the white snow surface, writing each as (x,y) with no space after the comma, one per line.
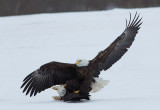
(27,42)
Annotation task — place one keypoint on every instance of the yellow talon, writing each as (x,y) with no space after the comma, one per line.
(76,92)
(55,88)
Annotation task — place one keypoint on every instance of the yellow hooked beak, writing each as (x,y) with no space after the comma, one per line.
(77,62)
(64,85)
(55,88)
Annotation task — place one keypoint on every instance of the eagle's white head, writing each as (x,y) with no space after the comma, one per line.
(82,62)
(60,89)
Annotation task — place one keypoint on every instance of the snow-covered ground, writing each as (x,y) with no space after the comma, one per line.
(27,42)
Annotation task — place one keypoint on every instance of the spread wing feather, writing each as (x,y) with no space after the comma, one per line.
(53,73)
(106,58)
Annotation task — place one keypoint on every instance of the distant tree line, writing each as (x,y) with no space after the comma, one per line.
(19,7)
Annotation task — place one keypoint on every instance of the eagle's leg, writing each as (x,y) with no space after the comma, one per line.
(86,86)
(73,85)
(82,92)
(76,91)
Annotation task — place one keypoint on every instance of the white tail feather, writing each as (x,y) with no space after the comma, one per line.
(98,85)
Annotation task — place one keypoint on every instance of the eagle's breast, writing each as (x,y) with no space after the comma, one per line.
(84,73)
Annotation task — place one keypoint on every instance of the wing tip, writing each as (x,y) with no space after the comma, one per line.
(135,22)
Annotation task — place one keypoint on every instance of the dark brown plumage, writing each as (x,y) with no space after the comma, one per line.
(106,58)
(53,73)
(80,78)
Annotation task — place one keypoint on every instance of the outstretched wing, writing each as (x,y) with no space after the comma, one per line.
(53,73)
(106,58)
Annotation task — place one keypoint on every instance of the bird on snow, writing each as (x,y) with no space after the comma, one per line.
(79,79)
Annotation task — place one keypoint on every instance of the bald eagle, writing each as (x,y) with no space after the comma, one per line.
(77,80)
